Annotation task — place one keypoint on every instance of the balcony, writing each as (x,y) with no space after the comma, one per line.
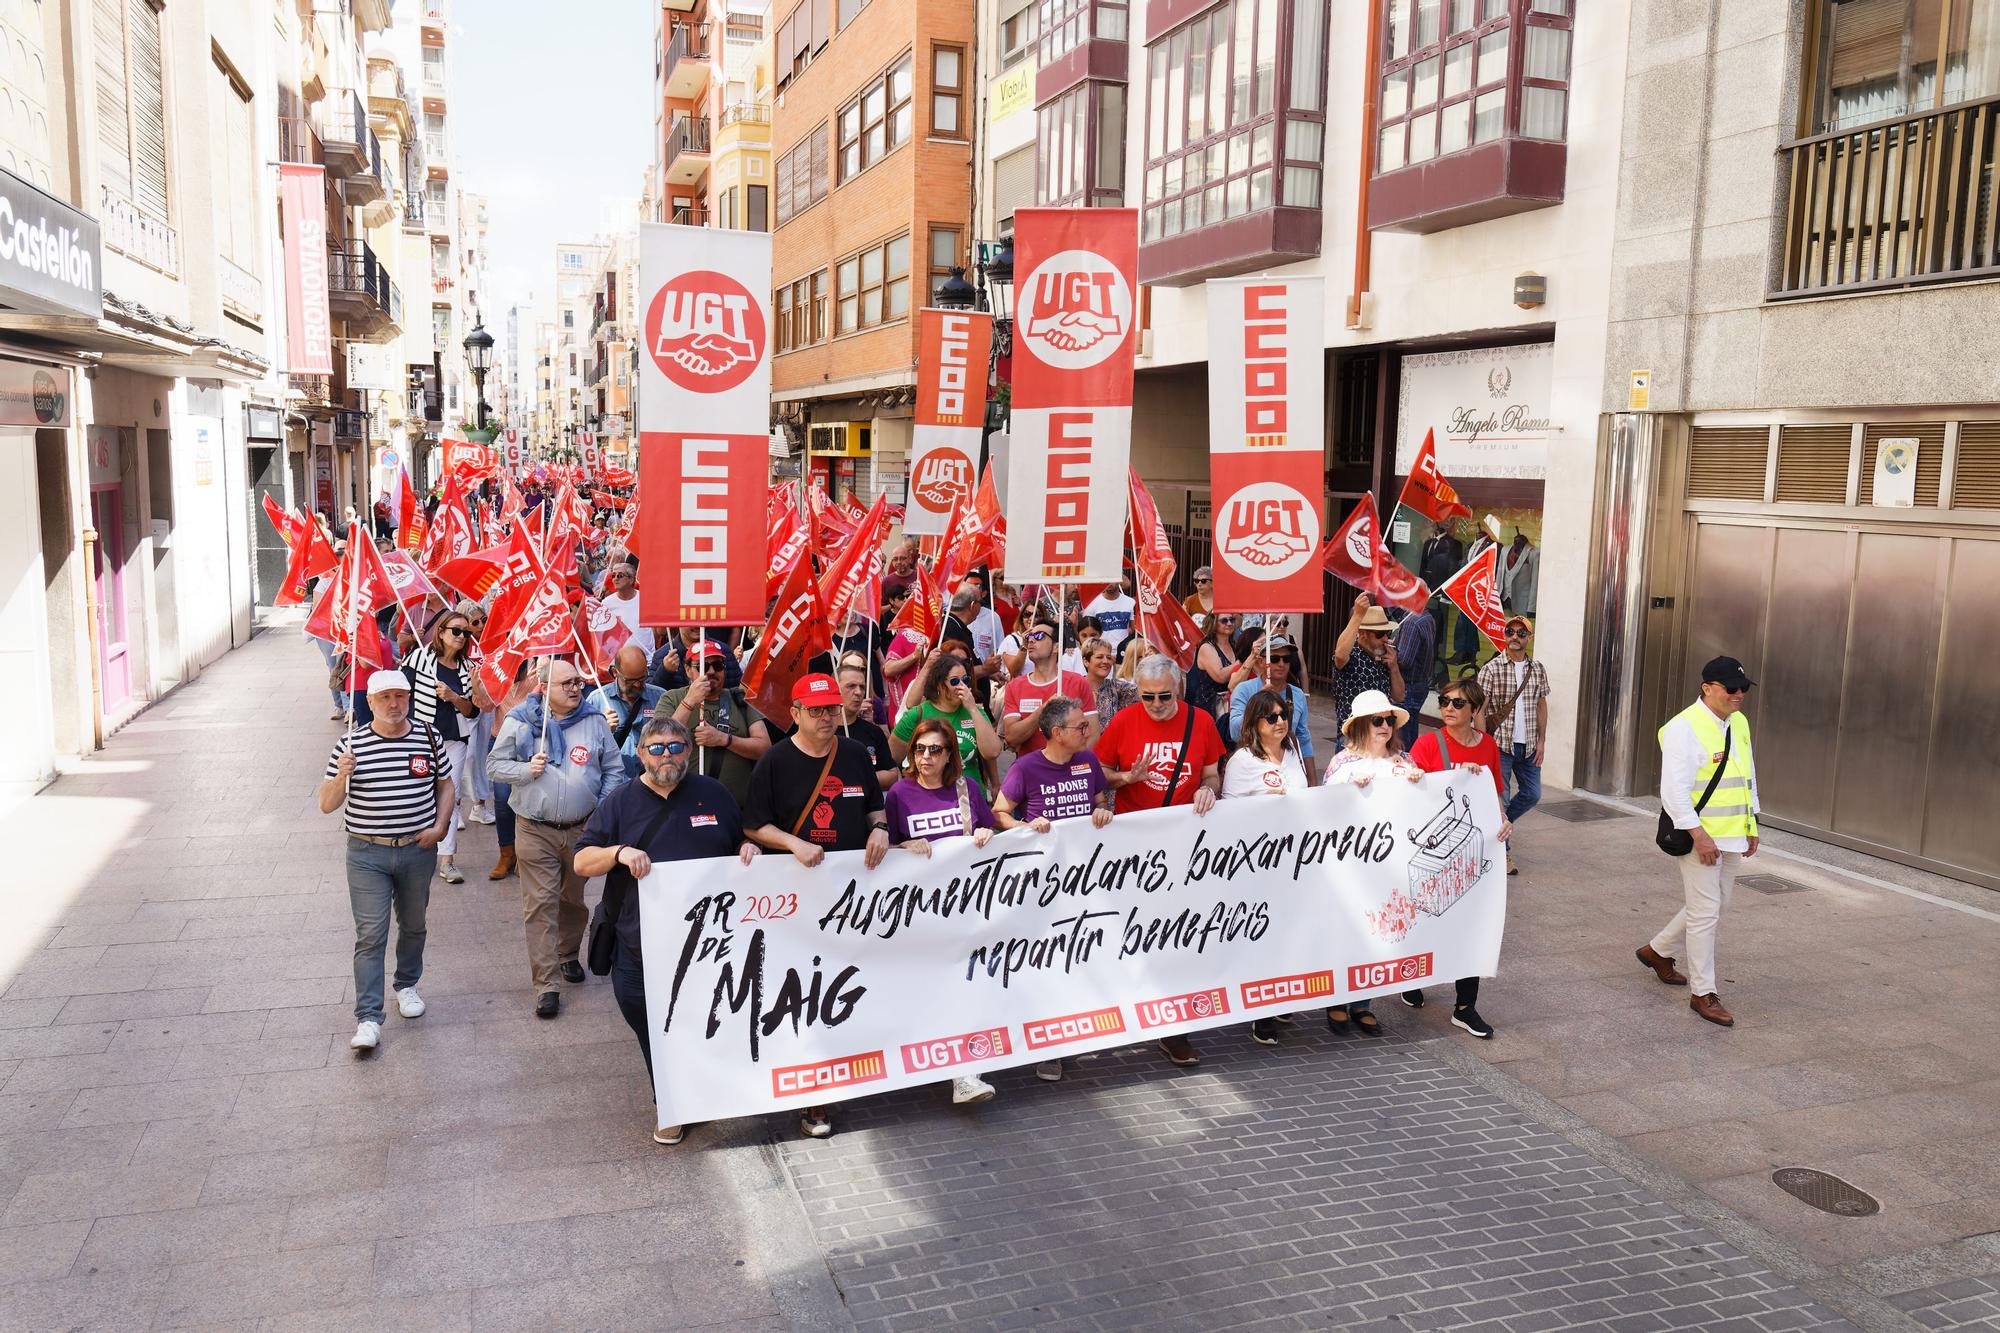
(370,185)
(298,141)
(413,209)
(362,292)
(1894,204)
(690,217)
(342,123)
(137,234)
(749,121)
(312,393)
(349,425)
(687,149)
(686,72)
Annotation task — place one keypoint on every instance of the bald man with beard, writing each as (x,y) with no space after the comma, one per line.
(626,700)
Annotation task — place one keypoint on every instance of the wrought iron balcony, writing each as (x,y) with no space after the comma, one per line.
(342,122)
(361,290)
(1894,204)
(349,425)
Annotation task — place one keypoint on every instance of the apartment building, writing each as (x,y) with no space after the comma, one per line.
(1803,271)
(871,138)
(610,360)
(711,162)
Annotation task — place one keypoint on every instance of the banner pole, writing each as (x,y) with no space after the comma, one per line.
(353,624)
(547,661)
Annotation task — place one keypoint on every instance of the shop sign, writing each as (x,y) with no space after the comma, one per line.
(33,395)
(1011,92)
(369,367)
(1489,407)
(50,254)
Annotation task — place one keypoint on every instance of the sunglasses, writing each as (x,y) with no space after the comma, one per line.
(954,681)
(1284,660)
(1742,689)
(1453,701)
(1276,719)
(1159,698)
(458,631)
(716,667)
(929,748)
(1389,721)
(1517,634)
(1204,580)
(658,748)
(1038,636)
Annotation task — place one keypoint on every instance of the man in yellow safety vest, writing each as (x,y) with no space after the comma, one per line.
(1692,746)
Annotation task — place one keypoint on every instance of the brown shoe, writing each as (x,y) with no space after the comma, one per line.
(1663,968)
(505,867)
(1180,1050)
(1709,1006)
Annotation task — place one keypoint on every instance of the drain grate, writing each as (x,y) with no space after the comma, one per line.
(1828,1193)
(1580,812)
(1769,884)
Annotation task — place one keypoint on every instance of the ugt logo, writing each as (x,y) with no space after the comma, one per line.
(941,477)
(705,332)
(1075,309)
(1268,531)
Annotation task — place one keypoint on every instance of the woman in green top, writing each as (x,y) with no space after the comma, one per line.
(947,694)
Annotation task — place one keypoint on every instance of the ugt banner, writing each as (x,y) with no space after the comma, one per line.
(308,316)
(1075,331)
(704,423)
(771,986)
(1266,389)
(952,348)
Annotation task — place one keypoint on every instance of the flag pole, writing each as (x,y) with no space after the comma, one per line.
(353,623)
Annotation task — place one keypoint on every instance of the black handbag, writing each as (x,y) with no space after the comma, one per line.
(618,884)
(1679,841)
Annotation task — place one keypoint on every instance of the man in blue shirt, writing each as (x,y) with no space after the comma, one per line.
(1416,654)
(1281,664)
(626,700)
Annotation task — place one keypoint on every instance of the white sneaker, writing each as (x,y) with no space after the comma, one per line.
(969,1088)
(367,1036)
(481,815)
(1049,1071)
(410,1004)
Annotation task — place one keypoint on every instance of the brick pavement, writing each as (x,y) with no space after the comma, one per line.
(185,1141)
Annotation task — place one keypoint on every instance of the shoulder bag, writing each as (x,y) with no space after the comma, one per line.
(1187,738)
(1496,718)
(1679,841)
(618,885)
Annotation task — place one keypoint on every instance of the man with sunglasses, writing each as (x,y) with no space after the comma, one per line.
(1517,702)
(626,700)
(812,793)
(1364,659)
(1708,735)
(670,814)
(1028,694)
(1280,673)
(732,735)
(560,761)
(621,599)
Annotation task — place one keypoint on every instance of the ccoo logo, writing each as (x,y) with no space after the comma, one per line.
(942,476)
(1075,309)
(705,332)
(1269,531)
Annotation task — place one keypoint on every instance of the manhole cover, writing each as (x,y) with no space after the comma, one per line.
(1580,812)
(1769,884)
(1828,1193)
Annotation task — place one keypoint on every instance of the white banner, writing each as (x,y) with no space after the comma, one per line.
(773,986)
(952,353)
(1488,405)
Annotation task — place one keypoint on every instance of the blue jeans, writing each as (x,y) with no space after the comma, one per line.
(1521,773)
(326,651)
(377,878)
(503,813)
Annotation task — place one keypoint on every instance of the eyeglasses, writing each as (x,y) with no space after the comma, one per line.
(1453,701)
(928,747)
(818,710)
(1389,721)
(571,684)
(658,748)
(1160,698)
(1038,636)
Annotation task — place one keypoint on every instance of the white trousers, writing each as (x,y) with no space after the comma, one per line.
(454,751)
(1690,936)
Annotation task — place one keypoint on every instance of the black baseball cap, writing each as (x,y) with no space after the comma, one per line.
(1726,672)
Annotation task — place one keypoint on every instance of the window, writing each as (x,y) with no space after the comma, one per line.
(727,216)
(236,169)
(756,215)
(1218,146)
(877,121)
(873,287)
(851,10)
(947,91)
(1458,74)
(799,310)
(1017,34)
(1879,59)
(801,37)
(947,252)
(132,104)
(802,176)
(1067,24)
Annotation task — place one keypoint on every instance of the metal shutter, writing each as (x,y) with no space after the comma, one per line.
(1727,462)
(114,121)
(1812,464)
(149,111)
(1929,436)
(1975,482)
(1013,182)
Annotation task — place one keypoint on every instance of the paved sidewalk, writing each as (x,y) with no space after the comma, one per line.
(186,1142)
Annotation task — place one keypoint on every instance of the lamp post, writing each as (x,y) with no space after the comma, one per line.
(479,356)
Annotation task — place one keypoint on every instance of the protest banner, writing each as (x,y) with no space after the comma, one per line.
(1266,439)
(704,423)
(772,986)
(952,351)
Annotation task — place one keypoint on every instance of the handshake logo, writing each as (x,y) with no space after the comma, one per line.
(1076,309)
(1267,531)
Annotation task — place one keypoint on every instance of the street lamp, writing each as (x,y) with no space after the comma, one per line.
(479,353)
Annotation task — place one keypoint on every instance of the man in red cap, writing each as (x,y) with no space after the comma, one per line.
(732,735)
(816,792)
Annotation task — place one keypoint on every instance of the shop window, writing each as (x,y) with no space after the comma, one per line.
(877,121)
(947,91)
(873,287)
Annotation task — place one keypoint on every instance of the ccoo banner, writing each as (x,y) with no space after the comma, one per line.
(772,985)
(1266,392)
(704,423)
(1075,333)
(952,347)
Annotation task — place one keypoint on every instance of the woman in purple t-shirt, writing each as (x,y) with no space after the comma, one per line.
(934,801)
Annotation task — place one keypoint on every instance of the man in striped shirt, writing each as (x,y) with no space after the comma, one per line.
(395,781)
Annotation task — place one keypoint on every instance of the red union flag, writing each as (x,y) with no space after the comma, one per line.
(308,316)
(1356,556)
(952,348)
(1266,455)
(704,432)
(1475,590)
(1426,490)
(1075,333)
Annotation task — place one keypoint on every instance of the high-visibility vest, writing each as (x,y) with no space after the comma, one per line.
(1728,812)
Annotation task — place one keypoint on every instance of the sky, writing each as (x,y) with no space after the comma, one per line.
(551,105)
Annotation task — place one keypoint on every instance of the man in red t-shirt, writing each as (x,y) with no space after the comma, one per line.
(1141,747)
(1021,723)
